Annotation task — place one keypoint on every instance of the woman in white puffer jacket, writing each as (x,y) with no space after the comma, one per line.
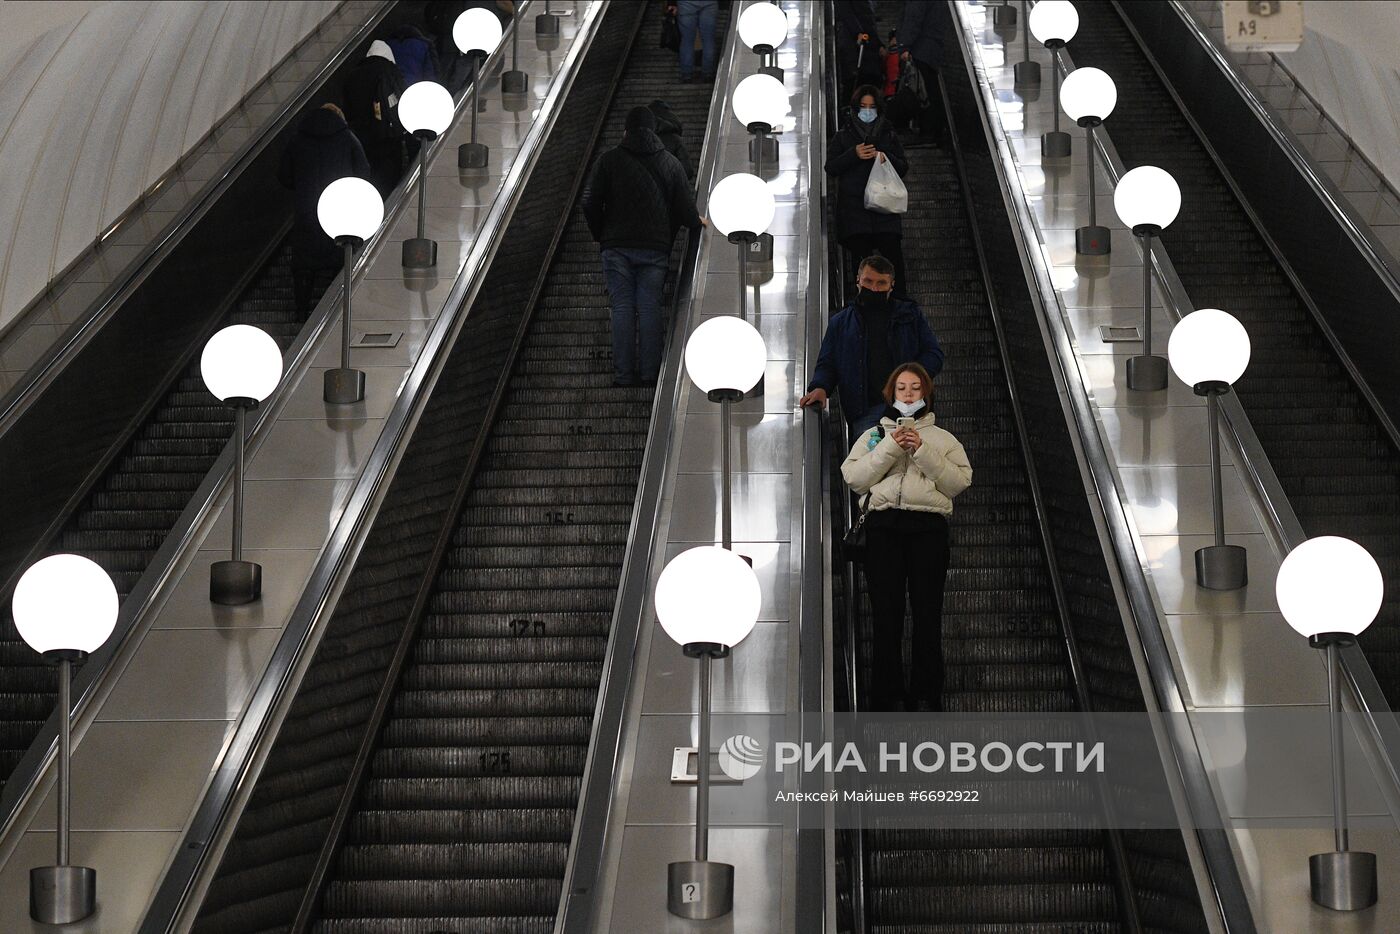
(908,477)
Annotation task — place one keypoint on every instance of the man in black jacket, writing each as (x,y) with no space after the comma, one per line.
(372,91)
(921,35)
(635,200)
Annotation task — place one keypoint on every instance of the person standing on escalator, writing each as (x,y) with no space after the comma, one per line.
(372,91)
(865,138)
(907,470)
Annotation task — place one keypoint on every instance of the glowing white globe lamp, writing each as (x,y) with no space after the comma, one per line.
(763,27)
(725,358)
(1209,346)
(350,208)
(241,362)
(426,108)
(1147,200)
(1088,94)
(477,30)
(761,101)
(741,207)
(1054,22)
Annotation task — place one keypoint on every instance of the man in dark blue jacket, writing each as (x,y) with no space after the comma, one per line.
(863,344)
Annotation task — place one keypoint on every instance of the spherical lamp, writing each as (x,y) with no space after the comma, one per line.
(350,208)
(741,206)
(1147,197)
(708,596)
(241,362)
(477,30)
(1054,21)
(725,356)
(1209,346)
(1328,585)
(1088,95)
(426,109)
(761,101)
(65,603)
(763,27)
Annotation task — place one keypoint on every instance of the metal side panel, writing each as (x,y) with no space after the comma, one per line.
(187,676)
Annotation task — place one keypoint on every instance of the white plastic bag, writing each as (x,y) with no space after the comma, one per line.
(885,192)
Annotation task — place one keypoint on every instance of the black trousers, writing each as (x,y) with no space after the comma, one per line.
(890,246)
(912,563)
(932,121)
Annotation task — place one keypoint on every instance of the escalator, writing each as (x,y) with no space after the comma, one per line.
(1010,617)
(460,804)
(1336,463)
(130,510)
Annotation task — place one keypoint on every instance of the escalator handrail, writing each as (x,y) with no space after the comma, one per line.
(38,377)
(1382,731)
(1227,887)
(589,839)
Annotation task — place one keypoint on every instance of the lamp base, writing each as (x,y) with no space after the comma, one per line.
(1147,373)
(1003,16)
(769,151)
(699,890)
(419,253)
(473,155)
(62,894)
(1054,145)
(234,583)
(514,82)
(1093,241)
(1221,567)
(1026,74)
(772,71)
(546,24)
(1343,881)
(344,386)
(760,251)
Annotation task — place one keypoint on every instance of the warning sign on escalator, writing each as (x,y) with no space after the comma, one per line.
(1263,25)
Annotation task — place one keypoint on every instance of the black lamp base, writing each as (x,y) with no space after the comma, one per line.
(234,583)
(344,386)
(1004,16)
(473,155)
(1094,240)
(699,889)
(760,251)
(767,147)
(62,894)
(1055,145)
(419,253)
(546,24)
(1221,567)
(1026,74)
(1343,881)
(514,82)
(772,71)
(1147,373)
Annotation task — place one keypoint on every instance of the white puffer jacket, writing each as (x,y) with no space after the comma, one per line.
(925,481)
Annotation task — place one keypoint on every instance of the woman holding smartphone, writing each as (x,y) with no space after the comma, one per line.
(908,470)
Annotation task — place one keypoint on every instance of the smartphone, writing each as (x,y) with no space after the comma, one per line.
(904,422)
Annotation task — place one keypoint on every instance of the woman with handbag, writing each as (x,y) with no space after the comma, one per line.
(908,471)
(865,138)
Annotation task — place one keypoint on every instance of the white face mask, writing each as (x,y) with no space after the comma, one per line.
(908,408)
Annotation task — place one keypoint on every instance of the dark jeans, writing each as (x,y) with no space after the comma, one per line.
(635,281)
(690,16)
(913,562)
(890,246)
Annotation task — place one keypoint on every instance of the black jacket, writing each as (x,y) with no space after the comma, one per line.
(919,32)
(637,195)
(852,172)
(322,151)
(372,91)
(841,360)
(668,128)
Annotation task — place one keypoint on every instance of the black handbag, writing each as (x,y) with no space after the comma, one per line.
(670,33)
(853,545)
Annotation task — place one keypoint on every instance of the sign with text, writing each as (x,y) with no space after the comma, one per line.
(1263,25)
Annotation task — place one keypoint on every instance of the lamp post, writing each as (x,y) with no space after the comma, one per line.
(350,211)
(1088,97)
(725,358)
(1026,73)
(1147,200)
(1209,351)
(741,207)
(707,600)
(761,105)
(64,607)
(515,81)
(1054,23)
(476,33)
(242,366)
(425,110)
(763,27)
(1330,589)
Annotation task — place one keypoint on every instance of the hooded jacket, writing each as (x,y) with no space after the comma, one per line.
(372,91)
(852,172)
(668,130)
(414,54)
(841,362)
(925,481)
(638,195)
(322,150)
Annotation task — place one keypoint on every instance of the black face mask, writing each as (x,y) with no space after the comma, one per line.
(869,299)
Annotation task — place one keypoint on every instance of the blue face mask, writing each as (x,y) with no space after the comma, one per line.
(867,115)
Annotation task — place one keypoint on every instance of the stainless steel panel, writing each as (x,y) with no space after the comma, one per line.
(306,400)
(780,392)
(1059,246)
(405,297)
(1246,659)
(1171,563)
(442,224)
(402,354)
(285,513)
(389,263)
(1085,323)
(769,294)
(447,192)
(758,443)
(1166,435)
(158,684)
(284,574)
(762,504)
(1171,500)
(314,449)
(1097,289)
(745,682)
(788,257)
(1107,381)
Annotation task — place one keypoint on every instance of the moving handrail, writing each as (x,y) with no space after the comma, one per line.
(1187,764)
